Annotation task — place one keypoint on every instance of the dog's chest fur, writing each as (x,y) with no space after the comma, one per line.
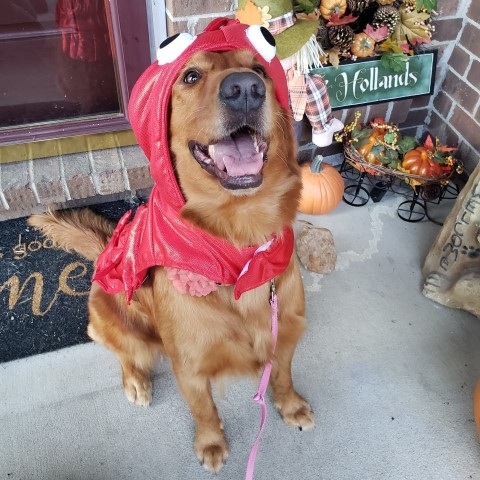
(213,335)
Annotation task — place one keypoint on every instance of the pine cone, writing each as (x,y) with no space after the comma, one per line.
(388,16)
(322,35)
(341,36)
(358,6)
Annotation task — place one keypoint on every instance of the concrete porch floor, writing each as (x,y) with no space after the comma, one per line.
(389,374)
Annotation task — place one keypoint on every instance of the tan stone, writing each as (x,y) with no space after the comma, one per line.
(452,267)
(316,249)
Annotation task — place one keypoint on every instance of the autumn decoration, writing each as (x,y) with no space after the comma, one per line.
(378,148)
(322,187)
(351,29)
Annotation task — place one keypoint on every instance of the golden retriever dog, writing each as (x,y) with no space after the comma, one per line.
(211,336)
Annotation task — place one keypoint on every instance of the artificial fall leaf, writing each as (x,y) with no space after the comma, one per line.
(378,34)
(335,19)
(333,56)
(411,27)
(429,143)
(390,45)
(405,46)
(444,148)
(305,6)
(250,14)
(311,16)
(396,61)
(428,5)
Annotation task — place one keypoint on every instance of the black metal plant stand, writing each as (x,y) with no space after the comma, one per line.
(413,209)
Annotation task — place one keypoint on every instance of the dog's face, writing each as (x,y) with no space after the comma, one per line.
(231,139)
(224,118)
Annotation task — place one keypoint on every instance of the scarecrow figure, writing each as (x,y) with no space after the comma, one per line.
(298,51)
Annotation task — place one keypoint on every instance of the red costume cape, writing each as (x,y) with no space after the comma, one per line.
(158,235)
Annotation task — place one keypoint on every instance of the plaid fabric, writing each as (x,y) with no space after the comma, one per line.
(309,96)
(279,24)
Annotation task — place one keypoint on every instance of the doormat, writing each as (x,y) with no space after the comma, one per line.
(43,290)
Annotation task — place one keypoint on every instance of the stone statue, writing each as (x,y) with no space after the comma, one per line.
(452,267)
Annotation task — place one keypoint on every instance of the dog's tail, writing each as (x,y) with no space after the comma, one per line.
(81,231)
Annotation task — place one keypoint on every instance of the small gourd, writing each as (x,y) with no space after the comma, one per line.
(363,45)
(419,161)
(366,149)
(331,7)
(322,187)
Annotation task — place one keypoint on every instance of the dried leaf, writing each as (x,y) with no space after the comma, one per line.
(250,14)
(378,34)
(333,56)
(335,19)
(411,27)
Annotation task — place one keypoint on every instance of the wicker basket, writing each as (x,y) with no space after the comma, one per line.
(357,161)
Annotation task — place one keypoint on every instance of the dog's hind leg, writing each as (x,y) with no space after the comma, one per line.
(116,330)
(210,444)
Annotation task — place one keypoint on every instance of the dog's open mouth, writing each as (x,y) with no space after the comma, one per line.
(237,160)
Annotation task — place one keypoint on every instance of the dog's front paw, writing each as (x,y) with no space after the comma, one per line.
(296,412)
(211,450)
(138,390)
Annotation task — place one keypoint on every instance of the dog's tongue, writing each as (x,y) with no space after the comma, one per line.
(237,155)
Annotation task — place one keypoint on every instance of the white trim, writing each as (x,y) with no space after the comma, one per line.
(157,25)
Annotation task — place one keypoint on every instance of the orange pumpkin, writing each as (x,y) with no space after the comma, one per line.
(322,187)
(476,407)
(419,161)
(330,7)
(366,149)
(363,45)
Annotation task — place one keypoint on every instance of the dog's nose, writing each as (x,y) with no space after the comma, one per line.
(242,91)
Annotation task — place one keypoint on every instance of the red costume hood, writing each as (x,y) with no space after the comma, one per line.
(158,235)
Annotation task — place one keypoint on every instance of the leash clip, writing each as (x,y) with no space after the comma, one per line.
(273,290)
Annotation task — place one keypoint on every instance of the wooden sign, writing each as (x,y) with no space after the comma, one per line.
(369,81)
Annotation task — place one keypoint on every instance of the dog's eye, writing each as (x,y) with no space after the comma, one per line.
(191,77)
(172,47)
(260,70)
(262,40)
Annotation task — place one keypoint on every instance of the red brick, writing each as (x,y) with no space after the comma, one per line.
(469,39)
(378,110)
(415,118)
(447,30)
(50,192)
(448,8)
(473,75)
(474,11)
(80,186)
(139,178)
(110,182)
(459,60)
(20,198)
(460,91)
(464,124)
(400,110)
(421,102)
(443,104)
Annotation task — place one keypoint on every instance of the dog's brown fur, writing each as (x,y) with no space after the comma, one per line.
(211,336)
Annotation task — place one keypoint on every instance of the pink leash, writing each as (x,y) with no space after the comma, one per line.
(262,387)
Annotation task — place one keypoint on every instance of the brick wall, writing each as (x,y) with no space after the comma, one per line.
(454,110)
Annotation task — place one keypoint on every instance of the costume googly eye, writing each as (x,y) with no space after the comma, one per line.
(262,40)
(172,47)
